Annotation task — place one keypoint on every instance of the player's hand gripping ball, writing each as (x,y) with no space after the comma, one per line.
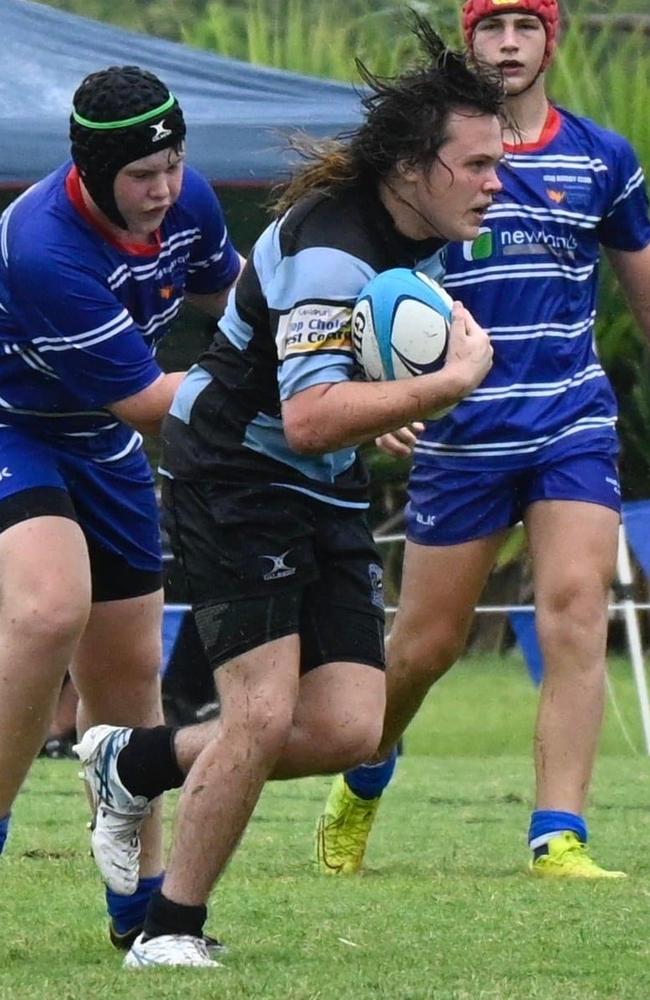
(400,325)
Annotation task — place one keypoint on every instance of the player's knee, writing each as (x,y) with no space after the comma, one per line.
(361,745)
(349,743)
(48,615)
(572,613)
(269,731)
(426,656)
(264,717)
(140,671)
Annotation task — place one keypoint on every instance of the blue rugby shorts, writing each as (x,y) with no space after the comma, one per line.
(448,506)
(114,504)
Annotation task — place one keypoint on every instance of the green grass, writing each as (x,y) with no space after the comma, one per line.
(444,911)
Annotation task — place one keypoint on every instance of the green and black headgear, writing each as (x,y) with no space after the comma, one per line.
(119,115)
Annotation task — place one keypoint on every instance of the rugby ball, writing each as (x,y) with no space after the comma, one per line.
(400,325)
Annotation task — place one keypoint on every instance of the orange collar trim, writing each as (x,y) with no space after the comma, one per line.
(73,190)
(551,128)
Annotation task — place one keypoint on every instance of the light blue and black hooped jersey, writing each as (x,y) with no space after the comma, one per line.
(531,279)
(287,328)
(80,315)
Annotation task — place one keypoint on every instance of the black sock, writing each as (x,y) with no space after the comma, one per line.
(147,765)
(167,917)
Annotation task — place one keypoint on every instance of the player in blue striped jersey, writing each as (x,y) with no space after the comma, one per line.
(95,262)
(265,492)
(535,441)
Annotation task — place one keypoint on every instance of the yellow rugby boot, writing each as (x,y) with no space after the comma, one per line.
(343,829)
(568,858)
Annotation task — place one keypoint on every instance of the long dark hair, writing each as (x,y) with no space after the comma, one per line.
(405,120)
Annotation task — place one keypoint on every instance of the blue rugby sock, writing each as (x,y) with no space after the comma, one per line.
(4,831)
(368,781)
(128,912)
(548,823)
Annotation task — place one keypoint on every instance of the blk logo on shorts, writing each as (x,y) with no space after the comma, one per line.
(5,473)
(279,568)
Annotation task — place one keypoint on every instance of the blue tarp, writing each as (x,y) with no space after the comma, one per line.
(237,114)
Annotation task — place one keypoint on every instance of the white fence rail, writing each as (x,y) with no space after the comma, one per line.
(626,607)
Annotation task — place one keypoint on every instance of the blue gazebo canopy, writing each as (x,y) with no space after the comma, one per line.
(237,114)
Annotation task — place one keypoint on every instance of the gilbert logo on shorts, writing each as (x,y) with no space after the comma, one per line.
(279,568)
(5,473)
(160,131)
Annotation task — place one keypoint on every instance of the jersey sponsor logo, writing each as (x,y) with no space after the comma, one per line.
(5,473)
(517,242)
(279,568)
(314,327)
(528,238)
(481,248)
(160,131)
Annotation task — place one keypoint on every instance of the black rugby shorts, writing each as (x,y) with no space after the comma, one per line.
(262,563)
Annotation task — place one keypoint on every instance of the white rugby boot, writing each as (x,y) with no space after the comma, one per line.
(118,815)
(170,949)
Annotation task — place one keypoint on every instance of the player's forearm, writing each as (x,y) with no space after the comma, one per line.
(326,418)
(146,409)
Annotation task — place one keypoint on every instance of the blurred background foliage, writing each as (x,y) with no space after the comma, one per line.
(602,70)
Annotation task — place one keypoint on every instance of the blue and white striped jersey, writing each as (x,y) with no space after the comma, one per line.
(80,314)
(287,328)
(531,280)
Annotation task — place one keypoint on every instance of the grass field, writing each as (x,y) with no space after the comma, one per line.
(444,911)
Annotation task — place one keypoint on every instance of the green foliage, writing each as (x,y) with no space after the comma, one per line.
(307,36)
(155,17)
(601,72)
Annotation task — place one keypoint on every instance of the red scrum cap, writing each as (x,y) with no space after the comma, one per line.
(546,10)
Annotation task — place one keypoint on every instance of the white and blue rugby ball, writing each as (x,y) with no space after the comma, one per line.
(400,325)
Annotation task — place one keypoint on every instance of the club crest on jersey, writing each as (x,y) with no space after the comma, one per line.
(160,131)
(557,196)
(166,292)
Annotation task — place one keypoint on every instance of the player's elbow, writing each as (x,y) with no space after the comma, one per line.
(304,438)
(310,424)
